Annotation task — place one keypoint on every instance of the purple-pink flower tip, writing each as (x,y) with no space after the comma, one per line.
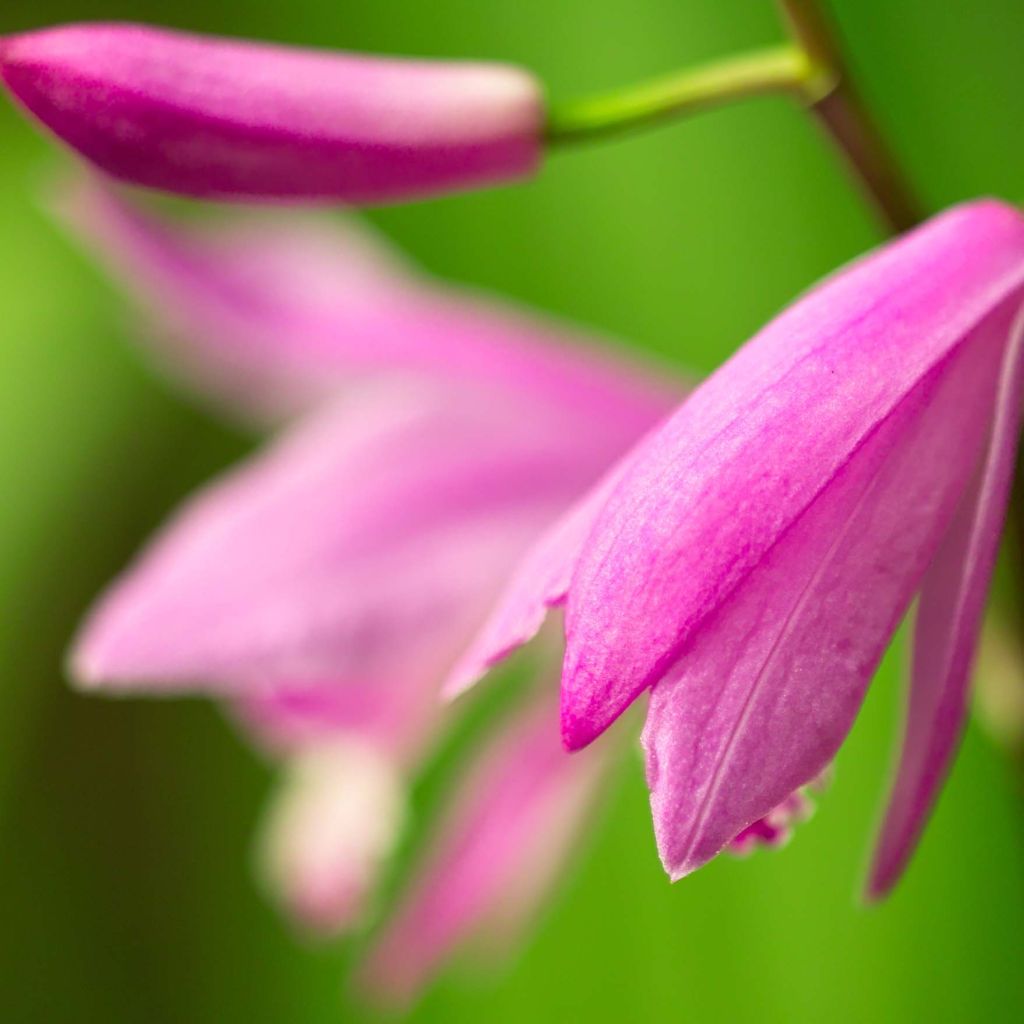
(230,119)
(577,731)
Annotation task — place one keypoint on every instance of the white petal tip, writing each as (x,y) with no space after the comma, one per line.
(87,669)
(679,872)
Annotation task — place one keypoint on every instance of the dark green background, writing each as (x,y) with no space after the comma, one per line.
(125,883)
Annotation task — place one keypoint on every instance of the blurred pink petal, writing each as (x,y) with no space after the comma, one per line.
(512,825)
(364,545)
(269,314)
(331,827)
(946,632)
(224,118)
(273,314)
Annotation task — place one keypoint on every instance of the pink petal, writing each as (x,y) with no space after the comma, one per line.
(769,687)
(743,462)
(364,545)
(220,118)
(946,633)
(269,314)
(272,314)
(332,826)
(511,827)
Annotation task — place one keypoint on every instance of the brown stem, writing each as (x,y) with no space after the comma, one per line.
(832,97)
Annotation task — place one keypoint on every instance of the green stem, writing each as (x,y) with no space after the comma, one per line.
(810,68)
(779,69)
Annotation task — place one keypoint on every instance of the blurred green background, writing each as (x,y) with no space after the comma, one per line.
(125,885)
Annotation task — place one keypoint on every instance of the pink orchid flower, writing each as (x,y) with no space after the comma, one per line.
(748,562)
(325,587)
(228,119)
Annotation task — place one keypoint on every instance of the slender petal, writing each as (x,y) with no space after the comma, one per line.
(363,545)
(759,448)
(768,689)
(220,118)
(511,827)
(268,314)
(271,314)
(333,823)
(946,633)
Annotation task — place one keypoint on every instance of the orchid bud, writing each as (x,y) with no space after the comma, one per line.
(227,119)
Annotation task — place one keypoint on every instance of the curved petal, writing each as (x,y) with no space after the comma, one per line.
(268,314)
(222,118)
(766,692)
(510,829)
(364,545)
(741,463)
(946,632)
(272,313)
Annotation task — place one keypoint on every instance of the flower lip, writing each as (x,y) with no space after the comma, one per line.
(221,118)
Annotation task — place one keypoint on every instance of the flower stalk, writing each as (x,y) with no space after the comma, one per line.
(778,69)
(809,68)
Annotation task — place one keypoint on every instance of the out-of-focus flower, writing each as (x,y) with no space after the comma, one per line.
(749,561)
(324,588)
(220,118)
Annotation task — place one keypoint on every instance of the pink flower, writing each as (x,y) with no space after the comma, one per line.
(325,587)
(749,561)
(221,118)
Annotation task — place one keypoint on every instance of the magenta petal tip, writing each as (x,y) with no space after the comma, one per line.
(577,732)
(586,710)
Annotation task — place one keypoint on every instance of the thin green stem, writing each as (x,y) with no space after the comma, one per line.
(810,68)
(779,69)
